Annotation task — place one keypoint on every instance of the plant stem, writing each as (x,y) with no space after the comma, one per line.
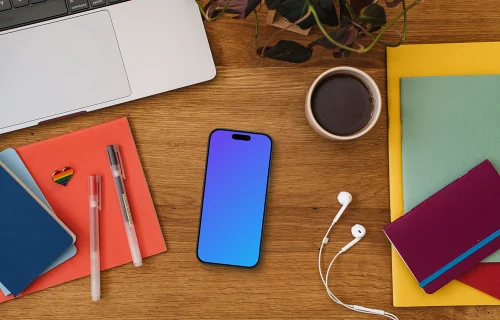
(405,22)
(256,27)
(390,24)
(325,33)
(260,7)
(402,37)
(368,33)
(349,9)
(213,18)
(287,27)
(377,38)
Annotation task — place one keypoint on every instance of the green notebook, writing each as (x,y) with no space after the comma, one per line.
(449,125)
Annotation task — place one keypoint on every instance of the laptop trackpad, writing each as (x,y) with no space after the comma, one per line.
(60,67)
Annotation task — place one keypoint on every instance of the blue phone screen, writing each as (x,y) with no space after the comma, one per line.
(234,198)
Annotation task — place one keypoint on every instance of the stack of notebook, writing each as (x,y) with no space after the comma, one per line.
(38,250)
(443,120)
(33,238)
(452,231)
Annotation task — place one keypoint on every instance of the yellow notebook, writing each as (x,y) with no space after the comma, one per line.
(429,60)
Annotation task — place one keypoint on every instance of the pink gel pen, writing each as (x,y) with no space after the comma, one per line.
(95,205)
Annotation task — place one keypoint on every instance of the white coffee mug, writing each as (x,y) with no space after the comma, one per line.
(369,84)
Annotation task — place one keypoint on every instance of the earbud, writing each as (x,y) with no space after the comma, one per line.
(344,198)
(358,232)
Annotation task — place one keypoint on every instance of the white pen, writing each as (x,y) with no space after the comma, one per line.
(117,170)
(95,205)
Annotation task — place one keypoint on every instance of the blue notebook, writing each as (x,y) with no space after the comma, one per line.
(12,160)
(31,239)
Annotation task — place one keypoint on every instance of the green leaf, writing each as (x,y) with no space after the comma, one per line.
(293,10)
(240,7)
(345,35)
(326,12)
(344,13)
(251,5)
(374,14)
(393,3)
(358,5)
(289,51)
(273,4)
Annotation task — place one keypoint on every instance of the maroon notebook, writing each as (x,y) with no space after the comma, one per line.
(452,231)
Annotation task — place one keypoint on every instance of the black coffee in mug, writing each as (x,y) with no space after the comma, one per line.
(342,104)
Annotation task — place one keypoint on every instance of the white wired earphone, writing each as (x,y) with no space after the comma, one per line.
(358,231)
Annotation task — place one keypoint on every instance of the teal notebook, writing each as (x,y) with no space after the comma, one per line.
(449,125)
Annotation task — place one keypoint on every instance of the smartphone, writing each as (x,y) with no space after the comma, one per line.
(234,198)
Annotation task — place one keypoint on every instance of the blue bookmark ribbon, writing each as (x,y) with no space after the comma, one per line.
(459,259)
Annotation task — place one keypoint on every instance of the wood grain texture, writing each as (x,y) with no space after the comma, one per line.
(308,171)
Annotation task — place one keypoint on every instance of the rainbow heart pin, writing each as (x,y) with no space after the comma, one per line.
(63,176)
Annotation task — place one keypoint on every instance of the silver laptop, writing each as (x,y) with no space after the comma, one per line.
(64,57)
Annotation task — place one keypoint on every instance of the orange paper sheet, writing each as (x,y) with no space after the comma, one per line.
(85,152)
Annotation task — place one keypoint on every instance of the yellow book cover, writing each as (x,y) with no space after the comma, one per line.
(429,60)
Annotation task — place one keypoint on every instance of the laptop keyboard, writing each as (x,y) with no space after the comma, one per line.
(16,13)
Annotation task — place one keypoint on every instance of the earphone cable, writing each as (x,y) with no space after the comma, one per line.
(325,281)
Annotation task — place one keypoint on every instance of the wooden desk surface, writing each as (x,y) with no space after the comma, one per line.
(308,171)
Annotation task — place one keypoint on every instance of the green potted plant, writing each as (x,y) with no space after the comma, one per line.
(346,25)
